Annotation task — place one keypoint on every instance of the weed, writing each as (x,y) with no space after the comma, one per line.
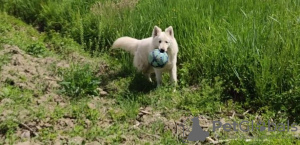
(36,49)
(79,81)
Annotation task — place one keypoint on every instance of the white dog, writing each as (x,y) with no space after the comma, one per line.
(164,41)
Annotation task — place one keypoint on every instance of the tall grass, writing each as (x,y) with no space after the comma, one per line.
(253,46)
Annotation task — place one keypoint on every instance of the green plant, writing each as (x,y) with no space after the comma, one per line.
(4,59)
(36,49)
(8,127)
(79,81)
(205,100)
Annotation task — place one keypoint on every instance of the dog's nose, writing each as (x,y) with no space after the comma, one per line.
(162,51)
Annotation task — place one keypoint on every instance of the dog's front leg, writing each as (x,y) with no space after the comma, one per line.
(173,76)
(158,75)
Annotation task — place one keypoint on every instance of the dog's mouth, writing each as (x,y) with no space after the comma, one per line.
(161,50)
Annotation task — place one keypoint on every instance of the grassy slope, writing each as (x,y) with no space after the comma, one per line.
(109,118)
(55,116)
(251,46)
(246,51)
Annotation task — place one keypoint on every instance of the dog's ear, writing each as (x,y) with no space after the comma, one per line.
(170,31)
(156,31)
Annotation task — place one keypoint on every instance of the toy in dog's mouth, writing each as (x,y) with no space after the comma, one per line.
(158,58)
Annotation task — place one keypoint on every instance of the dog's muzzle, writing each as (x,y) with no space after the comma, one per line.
(162,50)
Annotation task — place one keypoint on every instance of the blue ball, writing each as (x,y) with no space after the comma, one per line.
(158,59)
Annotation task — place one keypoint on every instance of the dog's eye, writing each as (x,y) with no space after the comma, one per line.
(167,42)
(159,41)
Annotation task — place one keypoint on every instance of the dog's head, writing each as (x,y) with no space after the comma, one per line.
(163,40)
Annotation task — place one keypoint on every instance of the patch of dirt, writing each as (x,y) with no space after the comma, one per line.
(39,75)
(28,72)
(147,117)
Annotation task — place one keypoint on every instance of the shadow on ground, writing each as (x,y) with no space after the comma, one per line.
(141,84)
(138,83)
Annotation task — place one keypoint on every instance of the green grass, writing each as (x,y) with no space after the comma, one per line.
(234,55)
(16,100)
(78,82)
(250,45)
(3,60)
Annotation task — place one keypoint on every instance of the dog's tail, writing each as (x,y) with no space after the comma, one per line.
(126,43)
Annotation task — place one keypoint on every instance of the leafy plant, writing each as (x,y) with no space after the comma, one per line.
(79,81)
(36,49)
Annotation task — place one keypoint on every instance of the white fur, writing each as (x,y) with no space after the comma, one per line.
(163,40)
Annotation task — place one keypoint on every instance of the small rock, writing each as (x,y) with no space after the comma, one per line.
(25,134)
(103,93)
(38,128)
(88,122)
(69,123)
